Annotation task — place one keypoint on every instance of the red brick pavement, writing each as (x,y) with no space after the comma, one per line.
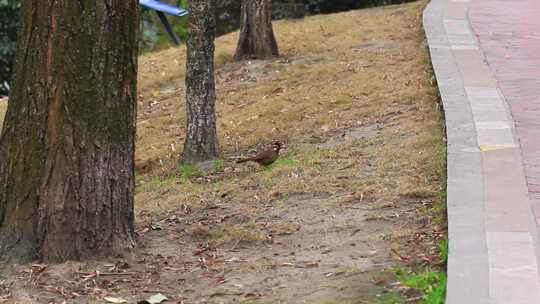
(509,35)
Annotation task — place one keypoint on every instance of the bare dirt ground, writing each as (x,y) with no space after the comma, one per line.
(356,193)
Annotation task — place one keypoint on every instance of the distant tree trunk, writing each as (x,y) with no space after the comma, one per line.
(67,147)
(256,39)
(201,139)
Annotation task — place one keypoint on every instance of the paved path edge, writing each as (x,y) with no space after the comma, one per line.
(491,229)
(467,274)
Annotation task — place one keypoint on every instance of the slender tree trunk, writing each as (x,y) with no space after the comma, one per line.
(201,139)
(256,39)
(67,147)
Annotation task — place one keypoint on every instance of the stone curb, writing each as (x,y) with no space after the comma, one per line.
(491,229)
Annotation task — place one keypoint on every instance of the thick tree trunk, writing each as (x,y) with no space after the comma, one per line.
(256,39)
(201,139)
(67,147)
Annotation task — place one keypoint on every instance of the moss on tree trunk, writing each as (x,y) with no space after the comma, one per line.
(201,139)
(67,149)
(256,39)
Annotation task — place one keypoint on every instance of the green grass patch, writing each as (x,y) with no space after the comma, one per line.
(188,171)
(286,160)
(443,250)
(218,164)
(163,181)
(430,282)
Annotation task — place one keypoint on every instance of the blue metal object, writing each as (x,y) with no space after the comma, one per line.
(163,7)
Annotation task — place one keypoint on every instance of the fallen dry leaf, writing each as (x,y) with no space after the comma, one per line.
(114,300)
(155,299)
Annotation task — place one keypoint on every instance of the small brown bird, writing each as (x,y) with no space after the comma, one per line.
(266,157)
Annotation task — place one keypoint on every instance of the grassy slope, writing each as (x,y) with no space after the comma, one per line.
(361,69)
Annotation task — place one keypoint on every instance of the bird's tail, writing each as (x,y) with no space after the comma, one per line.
(245,160)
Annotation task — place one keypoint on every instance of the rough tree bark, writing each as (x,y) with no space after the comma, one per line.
(201,139)
(67,146)
(256,39)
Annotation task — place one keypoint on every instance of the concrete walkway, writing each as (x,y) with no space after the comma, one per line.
(486,57)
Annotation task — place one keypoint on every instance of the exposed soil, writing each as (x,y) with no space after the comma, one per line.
(355,194)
